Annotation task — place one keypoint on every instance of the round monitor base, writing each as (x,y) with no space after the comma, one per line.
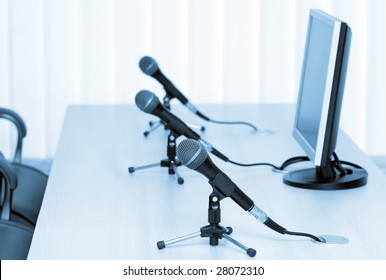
(309,179)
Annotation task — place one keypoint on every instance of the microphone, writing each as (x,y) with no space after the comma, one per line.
(193,155)
(149,103)
(150,67)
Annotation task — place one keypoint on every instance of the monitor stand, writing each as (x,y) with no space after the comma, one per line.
(332,177)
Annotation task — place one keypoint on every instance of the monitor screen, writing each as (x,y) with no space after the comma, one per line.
(314,81)
(321,86)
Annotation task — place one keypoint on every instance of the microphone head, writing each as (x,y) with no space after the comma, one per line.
(146,101)
(191,153)
(148,65)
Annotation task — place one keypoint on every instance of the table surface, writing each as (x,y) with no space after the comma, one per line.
(94,209)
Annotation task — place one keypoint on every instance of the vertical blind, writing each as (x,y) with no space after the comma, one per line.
(59,52)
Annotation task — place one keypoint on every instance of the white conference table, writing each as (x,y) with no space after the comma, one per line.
(94,209)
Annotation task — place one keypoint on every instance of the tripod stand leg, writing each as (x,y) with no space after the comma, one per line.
(250,251)
(133,169)
(180,180)
(162,244)
(152,128)
(151,123)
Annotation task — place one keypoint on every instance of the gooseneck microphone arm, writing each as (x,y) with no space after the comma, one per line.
(193,155)
(150,67)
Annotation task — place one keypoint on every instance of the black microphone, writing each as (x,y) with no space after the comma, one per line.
(150,67)
(193,155)
(149,103)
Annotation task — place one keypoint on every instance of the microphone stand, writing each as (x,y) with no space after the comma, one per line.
(171,162)
(156,124)
(214,231)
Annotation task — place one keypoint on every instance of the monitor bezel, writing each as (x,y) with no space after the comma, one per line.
(333,93)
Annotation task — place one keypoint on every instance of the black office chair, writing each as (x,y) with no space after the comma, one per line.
(28,197)
(15,236)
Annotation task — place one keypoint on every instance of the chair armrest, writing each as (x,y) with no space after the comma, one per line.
(21,130)
(10,183)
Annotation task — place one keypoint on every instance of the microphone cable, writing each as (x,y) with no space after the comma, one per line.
(276,168)
(278,228)
(338,165)
(269,222)
(201,115)
(236,123)
(254,164)
(336,162)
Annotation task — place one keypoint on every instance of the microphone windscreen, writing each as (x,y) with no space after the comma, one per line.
(191,153)
(146,101)
(148,65)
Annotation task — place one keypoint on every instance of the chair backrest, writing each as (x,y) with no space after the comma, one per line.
(8,185)
(28,197)
(15,238)
(21,130)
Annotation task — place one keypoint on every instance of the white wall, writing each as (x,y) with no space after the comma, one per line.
(59,52)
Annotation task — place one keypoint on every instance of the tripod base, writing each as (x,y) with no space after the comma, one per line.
(214,234)
(172,165)
(171,162)
(214,231)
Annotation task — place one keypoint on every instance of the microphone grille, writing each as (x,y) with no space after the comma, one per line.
(148,65)
(191,153)
(146,101)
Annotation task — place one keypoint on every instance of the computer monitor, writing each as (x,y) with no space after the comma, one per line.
(319,104)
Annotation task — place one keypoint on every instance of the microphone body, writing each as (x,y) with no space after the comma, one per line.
(174,123)
(150,67)
(149,103)
(169,86)
(193,155)
(224,185)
